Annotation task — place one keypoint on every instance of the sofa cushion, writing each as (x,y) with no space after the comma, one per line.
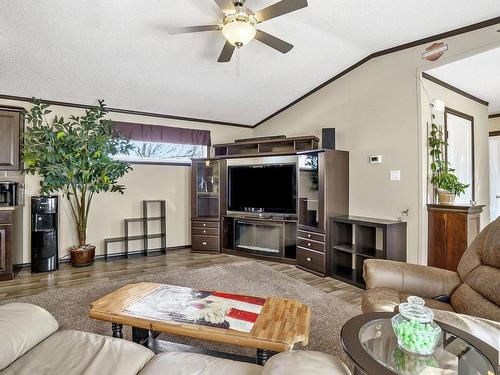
(304,362)
(387,299)
(22,327)
(181,363)
(75,352)
(466,300)
(486,281)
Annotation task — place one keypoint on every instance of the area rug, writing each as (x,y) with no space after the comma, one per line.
(70,306)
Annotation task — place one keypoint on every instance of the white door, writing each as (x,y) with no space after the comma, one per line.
(494,177)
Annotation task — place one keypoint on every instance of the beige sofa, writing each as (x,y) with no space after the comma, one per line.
(31,343)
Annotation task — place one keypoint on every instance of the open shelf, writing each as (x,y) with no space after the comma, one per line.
(266,146)
(355,239)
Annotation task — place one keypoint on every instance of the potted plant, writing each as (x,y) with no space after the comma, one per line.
(75,157)
(443,177)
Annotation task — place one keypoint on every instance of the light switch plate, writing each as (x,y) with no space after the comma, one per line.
(395,175)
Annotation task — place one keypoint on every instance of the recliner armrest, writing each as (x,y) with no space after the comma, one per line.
(424,281)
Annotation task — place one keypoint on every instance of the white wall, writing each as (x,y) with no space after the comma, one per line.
(494,124)
(481,129)
(171,183)
(375,110)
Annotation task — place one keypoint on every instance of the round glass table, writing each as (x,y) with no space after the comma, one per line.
(370,342)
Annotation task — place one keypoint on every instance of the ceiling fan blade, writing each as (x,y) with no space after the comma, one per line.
(192,29)
(280,8)
(225,5)
(273,42)
(227,53)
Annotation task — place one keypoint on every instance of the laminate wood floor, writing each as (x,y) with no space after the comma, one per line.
(27,283)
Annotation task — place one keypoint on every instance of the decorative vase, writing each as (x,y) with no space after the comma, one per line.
(445,197)
(82,256)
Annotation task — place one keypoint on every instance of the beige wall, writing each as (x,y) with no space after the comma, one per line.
(375,110)
(171,183)
(481,146)
(494,124)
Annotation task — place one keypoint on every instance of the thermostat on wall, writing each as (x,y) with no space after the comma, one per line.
(375,159)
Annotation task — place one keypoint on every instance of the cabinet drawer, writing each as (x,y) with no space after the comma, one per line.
(205,243)
(205,224)
(5,217)
(310,244)
(311,236)
(205,231)
(311,259)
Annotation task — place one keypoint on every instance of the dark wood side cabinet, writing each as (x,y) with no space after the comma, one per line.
(6,220)
(208,203)
(451,229)
(11,125)
(323,192)
(355,239)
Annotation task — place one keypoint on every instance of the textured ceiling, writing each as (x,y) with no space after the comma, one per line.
(478,75)
(119,50)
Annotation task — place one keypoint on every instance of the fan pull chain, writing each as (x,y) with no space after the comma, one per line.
(237,62)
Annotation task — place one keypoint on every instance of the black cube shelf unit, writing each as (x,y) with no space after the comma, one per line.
(354,239)
(145,236)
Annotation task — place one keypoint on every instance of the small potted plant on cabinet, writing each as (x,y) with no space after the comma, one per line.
(443,177)
(76,158)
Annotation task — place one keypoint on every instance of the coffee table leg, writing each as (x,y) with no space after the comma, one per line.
(263,356)
(140,335)
(117,330)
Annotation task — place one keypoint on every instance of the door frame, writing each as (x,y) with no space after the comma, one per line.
(470,118)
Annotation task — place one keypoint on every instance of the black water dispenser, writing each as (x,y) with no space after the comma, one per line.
(44,247)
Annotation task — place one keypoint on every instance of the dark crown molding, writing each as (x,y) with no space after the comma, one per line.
(448,34)
(128,111)
(454,89)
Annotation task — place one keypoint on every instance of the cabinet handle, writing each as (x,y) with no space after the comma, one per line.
(308,259)
(204,231)
(309,244)
(308,236)
(204,224)
(204,243)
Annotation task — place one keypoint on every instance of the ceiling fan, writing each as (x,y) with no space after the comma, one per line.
(239,25)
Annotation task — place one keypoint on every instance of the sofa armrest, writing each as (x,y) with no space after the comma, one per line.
(424,281)
(22,327)
(304,362)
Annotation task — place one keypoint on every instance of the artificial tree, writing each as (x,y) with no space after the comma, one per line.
(74,157)
(443,176)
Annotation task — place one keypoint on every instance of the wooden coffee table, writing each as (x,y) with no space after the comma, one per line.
(280,325)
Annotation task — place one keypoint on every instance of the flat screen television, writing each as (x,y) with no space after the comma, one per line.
(263,188)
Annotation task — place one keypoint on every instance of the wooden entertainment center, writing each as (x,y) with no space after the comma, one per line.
(304,237)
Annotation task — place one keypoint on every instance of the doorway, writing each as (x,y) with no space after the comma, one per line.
(494,175)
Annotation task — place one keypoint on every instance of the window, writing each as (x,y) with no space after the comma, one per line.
(159,152)
(459,129)
(162,144)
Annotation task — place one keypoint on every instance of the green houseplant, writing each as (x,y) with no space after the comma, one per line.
(443,177)
(75,158)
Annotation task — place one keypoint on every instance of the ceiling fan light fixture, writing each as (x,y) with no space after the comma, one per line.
(239,32)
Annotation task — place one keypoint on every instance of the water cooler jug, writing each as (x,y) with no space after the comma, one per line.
(44,248)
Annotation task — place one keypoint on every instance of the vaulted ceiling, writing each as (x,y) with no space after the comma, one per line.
(478,75)
(120,50)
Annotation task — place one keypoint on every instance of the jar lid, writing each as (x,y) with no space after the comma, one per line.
(414,309)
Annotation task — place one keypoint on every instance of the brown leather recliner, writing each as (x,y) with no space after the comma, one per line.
(473,290)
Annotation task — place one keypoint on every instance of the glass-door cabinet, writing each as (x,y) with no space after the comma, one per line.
(208,203)
(310,214)
(207,188)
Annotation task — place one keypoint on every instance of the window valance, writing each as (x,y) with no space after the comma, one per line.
(158,133)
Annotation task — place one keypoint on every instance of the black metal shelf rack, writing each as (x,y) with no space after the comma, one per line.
(145,236)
